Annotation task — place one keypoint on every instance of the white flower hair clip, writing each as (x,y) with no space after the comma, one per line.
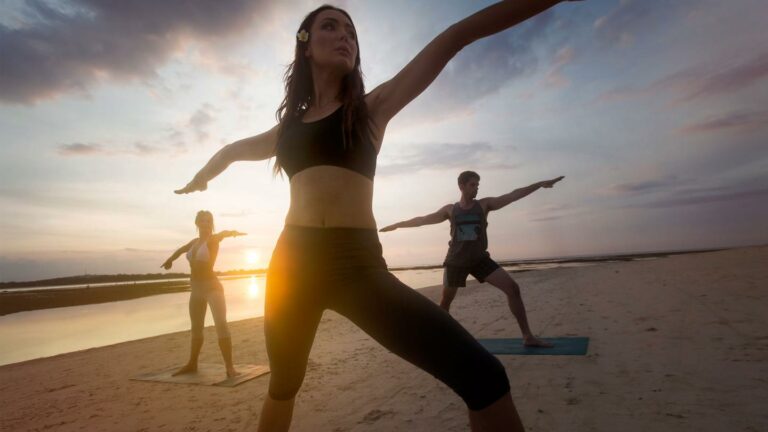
(302,36)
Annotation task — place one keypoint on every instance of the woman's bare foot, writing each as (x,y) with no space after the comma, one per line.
(534,342)
(188,368)
(231,372)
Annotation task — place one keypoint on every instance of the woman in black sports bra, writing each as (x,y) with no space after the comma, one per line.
(328,256)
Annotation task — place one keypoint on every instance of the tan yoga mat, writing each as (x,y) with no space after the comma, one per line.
(207,374)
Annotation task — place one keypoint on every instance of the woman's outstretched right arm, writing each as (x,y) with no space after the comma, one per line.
(255,148)
(169,262)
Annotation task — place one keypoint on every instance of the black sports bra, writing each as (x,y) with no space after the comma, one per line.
(305,145)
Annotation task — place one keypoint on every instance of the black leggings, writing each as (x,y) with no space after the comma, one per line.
(342,269)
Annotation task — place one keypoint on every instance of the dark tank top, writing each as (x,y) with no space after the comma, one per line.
(305,145)
(469,240)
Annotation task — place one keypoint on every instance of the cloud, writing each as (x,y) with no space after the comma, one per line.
(732,78)
(707,198)
(200,120)
(547,218)
(484,68)
(171,141)
(678,192)
(556,211)
(140,149)
(700,81)
(555,77)
(646,185)
(443,156)
(744,120)
(241,213)
(630,17)
(80,149)
(70,47)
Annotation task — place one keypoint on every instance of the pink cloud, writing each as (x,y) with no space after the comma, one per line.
(735,120)
(555,77)
(699,82)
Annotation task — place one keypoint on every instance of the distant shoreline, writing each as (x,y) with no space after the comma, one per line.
(575,259)
(115,279)
(29,300)
(82,281)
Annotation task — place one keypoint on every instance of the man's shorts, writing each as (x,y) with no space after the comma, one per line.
(457,276)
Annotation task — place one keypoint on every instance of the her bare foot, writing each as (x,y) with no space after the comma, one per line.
(231,372)
(188,368)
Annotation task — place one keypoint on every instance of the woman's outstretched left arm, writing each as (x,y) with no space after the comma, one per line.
(226,233)
(390,97)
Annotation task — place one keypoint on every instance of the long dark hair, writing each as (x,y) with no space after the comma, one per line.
(299,90)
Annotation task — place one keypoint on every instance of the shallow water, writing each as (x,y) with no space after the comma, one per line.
(47,332)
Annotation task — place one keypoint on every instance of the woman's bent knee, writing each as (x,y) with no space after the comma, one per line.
(486,384)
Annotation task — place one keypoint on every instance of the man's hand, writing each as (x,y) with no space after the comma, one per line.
(389,228)
(549,183)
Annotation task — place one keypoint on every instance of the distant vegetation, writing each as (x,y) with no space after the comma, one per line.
(98,279)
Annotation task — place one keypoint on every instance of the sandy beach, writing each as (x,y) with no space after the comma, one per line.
(676,344)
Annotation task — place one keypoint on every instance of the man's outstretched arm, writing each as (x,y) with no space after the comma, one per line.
(433,218)
(495,203)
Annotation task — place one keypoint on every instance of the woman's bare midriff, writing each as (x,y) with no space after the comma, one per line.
(329,196)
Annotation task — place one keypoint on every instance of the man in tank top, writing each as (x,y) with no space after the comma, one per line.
(468,247)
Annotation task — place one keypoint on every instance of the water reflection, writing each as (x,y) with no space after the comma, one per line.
(40,333)
(254,289)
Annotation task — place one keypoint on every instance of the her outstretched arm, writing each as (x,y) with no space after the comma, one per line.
(390,97)
(432,218)
(227,233)
(255,148)
(169,262)
(495,203)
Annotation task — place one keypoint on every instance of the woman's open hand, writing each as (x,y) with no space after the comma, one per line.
(193,186)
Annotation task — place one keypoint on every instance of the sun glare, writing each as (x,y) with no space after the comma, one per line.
(255,289)
(252,257)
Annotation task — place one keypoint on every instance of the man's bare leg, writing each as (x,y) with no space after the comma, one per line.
(503,281)
(449,293)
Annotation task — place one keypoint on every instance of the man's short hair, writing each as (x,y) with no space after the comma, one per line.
(467,176)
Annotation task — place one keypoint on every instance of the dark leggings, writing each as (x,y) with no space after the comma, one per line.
(342,269)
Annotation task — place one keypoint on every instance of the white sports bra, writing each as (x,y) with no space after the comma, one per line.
(202,252)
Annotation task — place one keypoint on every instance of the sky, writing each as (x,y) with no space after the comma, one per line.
(655,111)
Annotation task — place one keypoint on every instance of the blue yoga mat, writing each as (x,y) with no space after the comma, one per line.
(563,346)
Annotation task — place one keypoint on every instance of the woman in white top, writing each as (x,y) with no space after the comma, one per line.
(205,290)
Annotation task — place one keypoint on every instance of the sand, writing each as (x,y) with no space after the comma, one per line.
(677,344)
